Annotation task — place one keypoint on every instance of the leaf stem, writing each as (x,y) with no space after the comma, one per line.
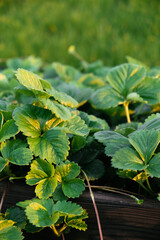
(149,186)
(94,204)
(126,107)
(56,232)
(3,196)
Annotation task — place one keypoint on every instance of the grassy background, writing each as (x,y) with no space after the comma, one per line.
(100,29)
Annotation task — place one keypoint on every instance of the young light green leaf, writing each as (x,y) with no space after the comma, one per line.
(73,188)
(53,145)
(154,166)
(67,208)
(16,152)
(29,79)
(8,231)
(8,130)
(145,142)
(127,158)
(63,98)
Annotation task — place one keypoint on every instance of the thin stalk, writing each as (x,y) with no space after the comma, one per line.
(55,230)
(149,186)
(63,238)
(126,107)
(94,204)
(62,229)
(148,190)
(3,178)
(3,196)
(116,190)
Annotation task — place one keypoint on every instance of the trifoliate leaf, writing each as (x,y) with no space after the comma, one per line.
(9,129)
(17,215)
(106,97)
(63,98)
(154,166)
(124,78)
(127,159)
(75,125)
(59,110)
(53,145)
(73,188)
(145,142)
(39,215)
(3,163)
(8,231)
(16,152)
(29,79)
(67,171)
(67,208)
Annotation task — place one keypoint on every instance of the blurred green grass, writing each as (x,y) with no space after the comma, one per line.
(100,29)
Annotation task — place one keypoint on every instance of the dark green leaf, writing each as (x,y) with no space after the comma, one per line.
(73,188)
(9,129)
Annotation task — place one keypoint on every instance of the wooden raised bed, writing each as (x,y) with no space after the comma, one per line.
(121,217)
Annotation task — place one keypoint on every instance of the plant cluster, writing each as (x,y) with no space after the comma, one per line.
(56,132)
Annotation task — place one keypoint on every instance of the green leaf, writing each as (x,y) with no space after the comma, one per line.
(59,110)
(58,194)
(39,215)
(145,142)
(3,163)
(73,188)
(8,130)
(127,159)
(91,80)
(153,122)
(66,73)
(133,96)
(67,208)
(26,122)
(63,98)
(125,78)
(17,215)
(106,97)
(94,169)
(75,125)
(67,171)
(8,231)
(154,166)
(29,79)
(46,187)
(16,152)
(78,142)
(78,224)
(53,145)
(148,89)
(42,174)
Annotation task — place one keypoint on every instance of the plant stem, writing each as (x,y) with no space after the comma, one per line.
(149,186)
(63,238)
(94,204)
(55,230)
(3,178)
(126,107)
(3,196)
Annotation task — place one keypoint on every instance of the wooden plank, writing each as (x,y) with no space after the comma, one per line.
(121,217)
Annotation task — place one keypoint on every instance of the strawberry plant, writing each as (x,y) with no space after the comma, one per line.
(55,133)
